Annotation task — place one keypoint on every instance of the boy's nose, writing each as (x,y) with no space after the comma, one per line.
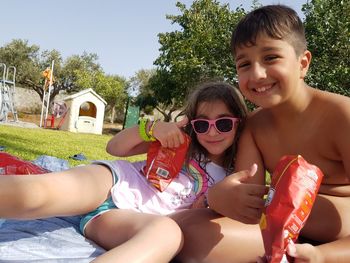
(258,72)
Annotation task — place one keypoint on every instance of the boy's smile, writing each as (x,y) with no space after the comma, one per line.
(268,72)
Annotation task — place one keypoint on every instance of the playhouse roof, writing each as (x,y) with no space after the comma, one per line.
(83,92)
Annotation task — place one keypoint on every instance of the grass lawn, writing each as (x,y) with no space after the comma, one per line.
(29,144)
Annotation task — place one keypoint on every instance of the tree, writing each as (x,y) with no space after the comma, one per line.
(199,50)
(24,57)
(327,27)
(30,64)
(140,92)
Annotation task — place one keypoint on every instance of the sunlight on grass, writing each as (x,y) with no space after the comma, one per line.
(29,144)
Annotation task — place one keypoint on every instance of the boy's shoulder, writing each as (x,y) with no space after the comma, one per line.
(333,102)
(258,116)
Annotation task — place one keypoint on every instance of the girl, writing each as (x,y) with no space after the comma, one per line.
(125,213)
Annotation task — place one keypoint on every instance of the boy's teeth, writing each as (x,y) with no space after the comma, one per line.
(262,89)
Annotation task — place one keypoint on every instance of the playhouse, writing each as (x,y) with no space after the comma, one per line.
(85,112)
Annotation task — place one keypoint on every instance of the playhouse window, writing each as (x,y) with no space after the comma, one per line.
(87,108)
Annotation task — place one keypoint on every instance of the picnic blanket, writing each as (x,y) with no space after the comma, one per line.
(50,240)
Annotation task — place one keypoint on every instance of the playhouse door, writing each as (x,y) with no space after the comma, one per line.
(85,124)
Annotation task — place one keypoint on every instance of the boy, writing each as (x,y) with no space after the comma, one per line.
(269,49)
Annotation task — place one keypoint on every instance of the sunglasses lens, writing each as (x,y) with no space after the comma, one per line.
(201,126)
(224,125)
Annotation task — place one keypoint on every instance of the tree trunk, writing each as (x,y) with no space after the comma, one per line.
(112,113)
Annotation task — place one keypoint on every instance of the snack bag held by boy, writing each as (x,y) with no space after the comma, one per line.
(293,190)
(163,164)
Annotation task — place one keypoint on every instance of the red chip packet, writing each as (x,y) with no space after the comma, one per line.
(164,164)
(10,164)
(292,193)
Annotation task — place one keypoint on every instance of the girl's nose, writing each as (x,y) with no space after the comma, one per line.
(212,130)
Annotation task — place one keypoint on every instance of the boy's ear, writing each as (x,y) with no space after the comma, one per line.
(305,60)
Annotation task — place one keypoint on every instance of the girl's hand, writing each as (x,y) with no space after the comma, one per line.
(304,253)
(169,134)
(234,198)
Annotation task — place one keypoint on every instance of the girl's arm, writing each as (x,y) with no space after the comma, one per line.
(127,142)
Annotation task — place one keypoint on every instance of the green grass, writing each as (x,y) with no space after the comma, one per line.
(29,144)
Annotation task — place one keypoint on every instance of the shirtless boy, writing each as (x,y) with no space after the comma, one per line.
(269,49)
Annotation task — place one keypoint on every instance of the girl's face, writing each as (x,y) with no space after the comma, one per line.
(213,141)
(269,72)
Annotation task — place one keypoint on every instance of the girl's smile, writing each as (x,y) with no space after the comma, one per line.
(213,141)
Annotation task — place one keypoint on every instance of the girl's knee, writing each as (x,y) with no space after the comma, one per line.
(29,197)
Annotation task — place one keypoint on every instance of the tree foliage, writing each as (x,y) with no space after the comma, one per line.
(30,63)
(199,50)
(139,87)
(77,72)
(327,27)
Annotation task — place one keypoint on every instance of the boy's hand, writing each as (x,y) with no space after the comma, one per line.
(237,199)
(249,197)
(169,134)
(304,253)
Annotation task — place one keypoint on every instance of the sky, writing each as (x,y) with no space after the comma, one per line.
(123,33)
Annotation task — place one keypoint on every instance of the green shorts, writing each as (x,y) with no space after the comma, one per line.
(105,207)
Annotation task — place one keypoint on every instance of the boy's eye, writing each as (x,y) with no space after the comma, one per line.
(271,57)
(242,65)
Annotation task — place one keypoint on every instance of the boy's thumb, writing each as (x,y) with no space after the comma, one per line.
(300,251)
(246,174)
(182,122)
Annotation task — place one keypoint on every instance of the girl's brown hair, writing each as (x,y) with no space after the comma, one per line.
(210,92)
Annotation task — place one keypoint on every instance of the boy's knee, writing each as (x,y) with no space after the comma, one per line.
(172,230)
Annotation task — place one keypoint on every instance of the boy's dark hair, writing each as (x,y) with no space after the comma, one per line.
(211,91)
(275,21)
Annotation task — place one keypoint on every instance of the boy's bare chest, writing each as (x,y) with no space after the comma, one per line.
(313,145)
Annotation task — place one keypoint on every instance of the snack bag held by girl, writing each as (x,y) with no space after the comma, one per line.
(292,193)
(164,164)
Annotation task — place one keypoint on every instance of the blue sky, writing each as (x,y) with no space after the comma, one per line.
(123,33)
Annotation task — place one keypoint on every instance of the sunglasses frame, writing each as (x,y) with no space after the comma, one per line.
(213,123)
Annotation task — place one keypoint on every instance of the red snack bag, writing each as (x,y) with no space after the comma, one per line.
(10,164)
(164,164)
(292,193)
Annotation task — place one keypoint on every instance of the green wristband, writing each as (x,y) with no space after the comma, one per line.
(142,130)
(150,133)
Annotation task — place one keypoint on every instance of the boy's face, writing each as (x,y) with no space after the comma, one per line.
(269,72)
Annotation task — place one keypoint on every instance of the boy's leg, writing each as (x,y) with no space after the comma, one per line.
(71,192)
(208,237)
(135,237)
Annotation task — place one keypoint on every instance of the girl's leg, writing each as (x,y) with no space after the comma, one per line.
(209,237)
(71,192)
(135,237)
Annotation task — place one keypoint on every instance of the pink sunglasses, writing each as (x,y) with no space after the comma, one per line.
(222,125)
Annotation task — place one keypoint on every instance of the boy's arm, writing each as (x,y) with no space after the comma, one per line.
(249,154)
(240,195)
(340,133)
